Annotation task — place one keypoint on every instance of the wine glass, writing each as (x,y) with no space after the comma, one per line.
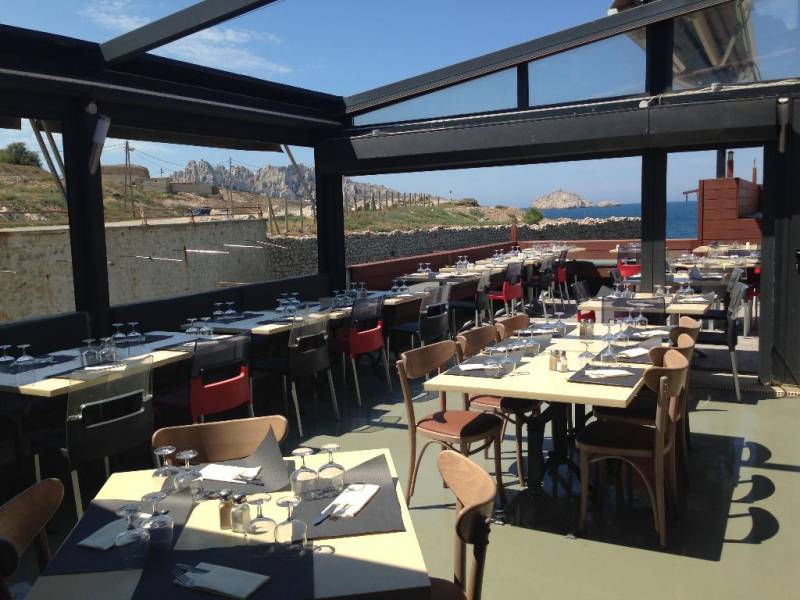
(621,337)
(134,336)
(218,312)
(331,474)
(263,530)
(5,359)
(291,534)
(304,479)
(641,320)
(88,354)
(160,527)
(608,354)
(152,499)
(395,287)
(421,268)
(120,339)
(164,470)
(230,311)
(585,357)
(428,268)
(191,329)
(192,480)
(560,326)
(204,329)
(186,456)
(108,352)
(23,363)
(133,543)
(629,320)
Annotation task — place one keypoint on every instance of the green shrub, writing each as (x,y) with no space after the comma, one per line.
(18,154)
(533,216)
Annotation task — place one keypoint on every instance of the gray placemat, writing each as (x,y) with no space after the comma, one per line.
(476,360)
(628,381)
(72,558)
(289,579)
(382,513)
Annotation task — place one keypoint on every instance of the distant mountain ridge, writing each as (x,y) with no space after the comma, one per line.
(561,199)
(273,181)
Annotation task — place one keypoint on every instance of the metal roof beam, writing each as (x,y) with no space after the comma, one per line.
(622,22)
(175,26)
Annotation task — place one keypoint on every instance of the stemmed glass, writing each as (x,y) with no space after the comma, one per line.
(629,320)
(428,268)
(24,360)
(621,337)
(331,474)
(205,330)
(134,542)
(191,479)
(153,498)
(421,268)
(641,320)
(5,359)
(585,357)
(218,312)
(264,528)
(134,337)
(108,352)
(291,534)
(560,326)
(89,354)
(304,479)
(191,328)
(608,354)
(120,339)
(230,311)
(395,287)
(404,286)
(186,456)
(164,470)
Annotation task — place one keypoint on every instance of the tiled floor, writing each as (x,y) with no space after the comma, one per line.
(737,534)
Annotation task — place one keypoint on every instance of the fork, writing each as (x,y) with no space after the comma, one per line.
(183,579)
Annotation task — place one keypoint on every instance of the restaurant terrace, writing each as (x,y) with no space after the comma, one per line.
(520,417)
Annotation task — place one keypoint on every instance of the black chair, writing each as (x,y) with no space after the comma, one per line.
(581,293)
(109,411)
(433,320)
(469,296)
(654,309)
(307,355)
(540,280)
(220,377)
(728,336)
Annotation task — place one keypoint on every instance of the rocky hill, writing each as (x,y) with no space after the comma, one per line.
(560,199)
(275,182)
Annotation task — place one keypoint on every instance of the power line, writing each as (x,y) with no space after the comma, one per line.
(168,162)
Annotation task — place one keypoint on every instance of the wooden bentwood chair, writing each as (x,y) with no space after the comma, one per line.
(22,521)
(641,446)
(475,492)
(511,410)
(223,440)
(448,428)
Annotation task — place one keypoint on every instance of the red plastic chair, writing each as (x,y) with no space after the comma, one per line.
(220,378)
(511,290)
(628,270)
(353,341)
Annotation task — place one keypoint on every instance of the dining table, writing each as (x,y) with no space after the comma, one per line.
(674,306)
(353,563)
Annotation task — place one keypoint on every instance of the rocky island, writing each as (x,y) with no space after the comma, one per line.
(561,199)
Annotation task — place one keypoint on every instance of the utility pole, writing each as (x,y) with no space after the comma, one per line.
(230,187)
(126,174)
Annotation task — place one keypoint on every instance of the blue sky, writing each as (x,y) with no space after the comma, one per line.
(347,46)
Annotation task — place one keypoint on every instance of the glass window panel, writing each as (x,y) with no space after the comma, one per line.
(497,91)
(611,67)
(737,42)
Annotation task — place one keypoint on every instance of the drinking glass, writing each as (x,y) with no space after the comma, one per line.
(428,268)
(134,336)
(108,353)
(192,480)
(191,329)
(204,329)
(560,326)
(24,360)
(404,286)
(629,320)
(492,367)
(641,320)
(186,456)
(331,474)
(120,339)
(133,543)
(608,354)
(585,357)
(421,268)
(160,527)
(304,479)
(89,355)
(164,470)
(262,529)
(620,337)
(291,534)
(218,312)
(230,311)
(395,287)
(5,359)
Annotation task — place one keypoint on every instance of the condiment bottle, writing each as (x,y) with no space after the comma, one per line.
(563,366)
(240,514)
(225,506)
(554,357)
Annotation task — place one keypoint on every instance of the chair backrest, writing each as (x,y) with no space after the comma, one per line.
(211,356)
(23,519)
(419,362)
(683,343)
(628,254)
(307,327)
(562,257)
(475,492)
(434,318)
(737,294)
(686,325)
(546,264)
(580,291)
(484,279)
(668,382)
(513,272)
(366,311)
(616,276)
(109,410)
(506,327)
(464,290)
(654,309)
(733,278)
(223,440)
(473,341)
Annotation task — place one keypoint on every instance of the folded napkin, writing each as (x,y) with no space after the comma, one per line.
(104,538)
(350,502)
(229,473)
(633,352)
(114,367)
(692,299)
(472,367)
(606,373)
(651,333)
(224,581)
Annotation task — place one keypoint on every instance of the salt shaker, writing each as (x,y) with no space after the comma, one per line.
(563,365)
(225,506)
(240,514)
(554,357)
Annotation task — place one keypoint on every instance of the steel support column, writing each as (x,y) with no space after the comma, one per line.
(330,225)
(86,222)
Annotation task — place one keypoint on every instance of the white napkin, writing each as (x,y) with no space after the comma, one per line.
(229,473)
(606,373)
(651,333)
(113,367)
(104,538)
(633,352)
(472,367)
(350,502)
(224,581)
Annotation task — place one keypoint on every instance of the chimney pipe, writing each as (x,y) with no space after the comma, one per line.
(729,171)
(755,172)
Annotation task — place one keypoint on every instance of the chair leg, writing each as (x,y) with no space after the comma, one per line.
(76,492)
(660,500)
(355,380)
(498,469)
(37,468)
(735,376)
(333,396)
(518,441)
(297,409)
(672,474)
(413,465)
(107,466)
(285,395)
(344,372)
(251,411)
(584,488)
(386,368)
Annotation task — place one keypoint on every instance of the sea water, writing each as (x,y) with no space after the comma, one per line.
(681,216)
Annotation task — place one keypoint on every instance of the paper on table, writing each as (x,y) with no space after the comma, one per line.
(115,367)
(633,352)
(104,538)
(229,473)
(693,299)
(651,333)
(354,497)
(472,367)
(231,583)
(606,373)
